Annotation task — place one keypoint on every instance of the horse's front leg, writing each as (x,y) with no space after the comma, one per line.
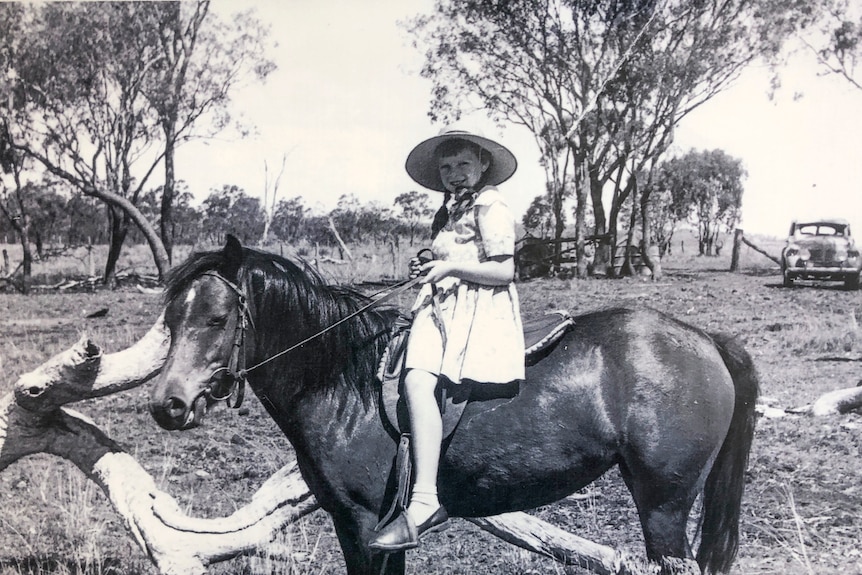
(354,535)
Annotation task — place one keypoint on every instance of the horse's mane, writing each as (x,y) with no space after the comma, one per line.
(289,302)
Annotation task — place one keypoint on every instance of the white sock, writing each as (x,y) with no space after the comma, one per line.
(423,502)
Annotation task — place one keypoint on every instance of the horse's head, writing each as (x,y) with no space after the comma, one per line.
(206,315)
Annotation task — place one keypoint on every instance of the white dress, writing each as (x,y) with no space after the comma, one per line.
(474,332)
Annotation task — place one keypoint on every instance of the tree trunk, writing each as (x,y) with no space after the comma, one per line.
(160,256)
(118,228)
(737,244)
(617,200)
(168,192)
(581,187)
(654,264)
(628,268)
(26,264)
(21,225)
(559,225)
(604,250)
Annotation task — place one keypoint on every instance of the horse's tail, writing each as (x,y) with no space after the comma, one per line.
(722,495)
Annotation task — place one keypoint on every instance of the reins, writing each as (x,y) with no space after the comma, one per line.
(235,369)
(395,290)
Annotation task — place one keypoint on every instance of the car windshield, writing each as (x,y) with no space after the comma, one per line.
(820,229)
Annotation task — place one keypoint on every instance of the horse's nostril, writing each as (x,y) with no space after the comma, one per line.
(175,407)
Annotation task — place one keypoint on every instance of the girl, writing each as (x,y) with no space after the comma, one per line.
(467,321)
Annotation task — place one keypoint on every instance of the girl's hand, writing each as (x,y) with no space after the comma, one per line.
(414,268)
(436,270)
(415,265)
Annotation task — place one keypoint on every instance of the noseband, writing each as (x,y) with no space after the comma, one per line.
(227,383)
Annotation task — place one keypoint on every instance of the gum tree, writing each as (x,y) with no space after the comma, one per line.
(103,93)
(415,208)
(202,61)
(615,77)
(78,109)
(706,187)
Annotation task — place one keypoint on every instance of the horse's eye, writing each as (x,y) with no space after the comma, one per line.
(220,321)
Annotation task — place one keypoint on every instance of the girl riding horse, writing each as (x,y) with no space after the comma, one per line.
(467,321)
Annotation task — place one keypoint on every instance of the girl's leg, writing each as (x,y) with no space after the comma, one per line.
(424,513)
(426,429)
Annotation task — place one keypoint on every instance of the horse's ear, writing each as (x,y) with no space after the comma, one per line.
(232,258)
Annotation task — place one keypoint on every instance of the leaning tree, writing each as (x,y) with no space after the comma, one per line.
(77,107)
(101,94)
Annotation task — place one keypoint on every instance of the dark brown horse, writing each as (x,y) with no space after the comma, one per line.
(670,405)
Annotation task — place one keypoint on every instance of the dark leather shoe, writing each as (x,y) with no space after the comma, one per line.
(403,534)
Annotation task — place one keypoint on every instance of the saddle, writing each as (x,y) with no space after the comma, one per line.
(541,336)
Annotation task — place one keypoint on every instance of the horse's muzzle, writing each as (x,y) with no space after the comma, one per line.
(175,414)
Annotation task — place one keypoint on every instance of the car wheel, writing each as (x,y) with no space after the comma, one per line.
(788,280)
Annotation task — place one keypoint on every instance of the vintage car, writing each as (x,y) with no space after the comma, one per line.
(821,250)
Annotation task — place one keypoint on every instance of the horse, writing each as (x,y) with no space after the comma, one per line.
(670,405)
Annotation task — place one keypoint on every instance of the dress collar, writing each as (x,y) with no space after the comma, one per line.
(459,205)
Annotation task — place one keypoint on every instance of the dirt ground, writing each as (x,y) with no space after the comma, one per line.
(800,513)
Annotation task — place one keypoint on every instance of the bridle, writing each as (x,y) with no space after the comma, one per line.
(231,386)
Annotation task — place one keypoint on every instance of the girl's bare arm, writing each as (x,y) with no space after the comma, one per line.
(497,270)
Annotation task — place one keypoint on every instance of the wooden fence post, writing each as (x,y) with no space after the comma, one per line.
(737,242)
(341,245)
(91,265)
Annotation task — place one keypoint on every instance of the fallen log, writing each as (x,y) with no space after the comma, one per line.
(836,402)
(541,537)
(33,420)
(185,549)
(82,372)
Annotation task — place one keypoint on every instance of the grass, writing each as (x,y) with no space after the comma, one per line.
(295,551)
(802,504)
(74,520)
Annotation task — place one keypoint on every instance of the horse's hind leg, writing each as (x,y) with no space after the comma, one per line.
(663,506)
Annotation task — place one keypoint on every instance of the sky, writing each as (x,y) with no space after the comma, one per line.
(347,104)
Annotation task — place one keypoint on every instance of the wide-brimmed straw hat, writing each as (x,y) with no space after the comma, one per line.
(423,168)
